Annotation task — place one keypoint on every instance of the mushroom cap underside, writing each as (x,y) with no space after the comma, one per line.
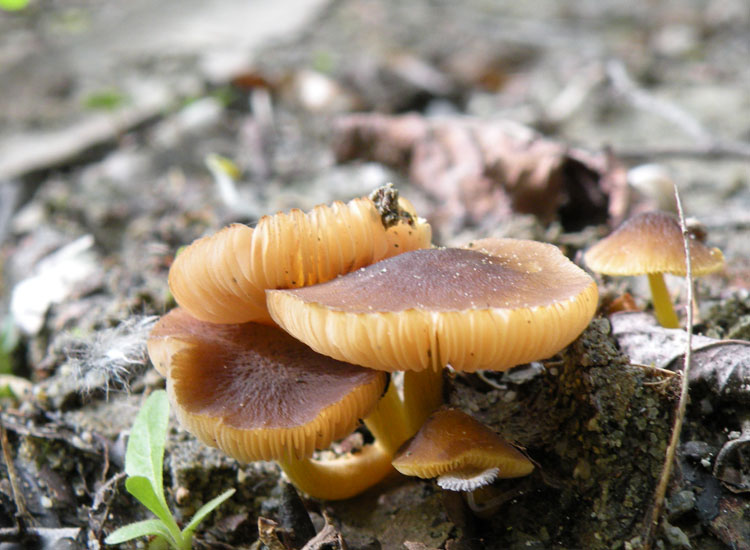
(500,303)
(651,242)
(222,278)
(257,393)
(452,442)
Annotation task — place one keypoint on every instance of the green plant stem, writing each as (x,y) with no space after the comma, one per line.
(144,459)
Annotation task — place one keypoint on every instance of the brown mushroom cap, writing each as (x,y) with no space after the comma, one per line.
(651,243)
(222,278)
(257,393)
(494,305)
(462,451)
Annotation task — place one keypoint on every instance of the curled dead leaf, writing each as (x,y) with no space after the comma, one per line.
(721,368)
(478,171)
(732,464)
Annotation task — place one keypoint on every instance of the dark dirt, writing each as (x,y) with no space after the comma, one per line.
(107,113)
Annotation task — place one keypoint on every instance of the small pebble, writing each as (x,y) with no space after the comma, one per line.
(676,536)
(680,503)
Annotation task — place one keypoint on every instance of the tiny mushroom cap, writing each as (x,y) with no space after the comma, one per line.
(461,452)
(651,243)
(492,305)
(222,278)
(255,392)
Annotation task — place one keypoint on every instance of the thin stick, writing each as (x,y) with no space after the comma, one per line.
(720,150)
(661,488)
(709,145)
(623,83)
(18,499)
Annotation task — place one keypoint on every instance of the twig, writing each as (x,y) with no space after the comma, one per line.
(729,448)
(574,95)
(709,146)
(491,383)
(712,151)
(21,512)
(38,152)
(661,488)
(102,498)
(639,98)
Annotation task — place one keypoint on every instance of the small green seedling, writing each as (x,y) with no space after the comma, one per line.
(144,458)
(108,99)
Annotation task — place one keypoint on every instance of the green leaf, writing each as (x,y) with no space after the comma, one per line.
(145,453)
(144,458)
(13,5)
(145,528)
(104,100)
(203,511)
(141,488)
(159,543)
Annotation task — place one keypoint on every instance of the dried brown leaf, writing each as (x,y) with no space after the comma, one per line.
(721,368)
(478,171)
(329,538)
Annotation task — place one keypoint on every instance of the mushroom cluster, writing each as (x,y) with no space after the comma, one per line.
(285,333)
(492,305)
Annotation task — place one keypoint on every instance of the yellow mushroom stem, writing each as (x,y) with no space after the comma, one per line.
(423,395)
(663,308)
(339,478)
(387,423)
(485,501)
(423,390)
(394,421)
(391,423)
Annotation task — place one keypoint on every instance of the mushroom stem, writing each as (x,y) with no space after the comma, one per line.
(663,308)
(423,394)
(339,478)
(387,423)
(485,501)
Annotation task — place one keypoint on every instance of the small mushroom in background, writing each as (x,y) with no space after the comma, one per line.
(222,278)
(652,244)
(492,305)
(462,453)
(256,393)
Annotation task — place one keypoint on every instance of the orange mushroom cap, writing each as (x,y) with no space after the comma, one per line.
(254,391)
(461,452)
(493,305)
(222,278)
(651,243)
